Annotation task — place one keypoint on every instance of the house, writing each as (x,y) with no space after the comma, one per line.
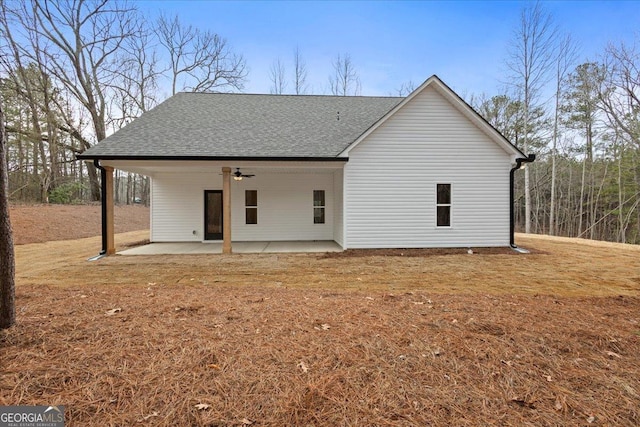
(366,172)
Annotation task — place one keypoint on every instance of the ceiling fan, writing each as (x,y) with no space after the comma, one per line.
(237,175)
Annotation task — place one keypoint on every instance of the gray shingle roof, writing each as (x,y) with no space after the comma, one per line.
(241,125)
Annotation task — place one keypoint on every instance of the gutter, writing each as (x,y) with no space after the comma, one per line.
(512,226)
(103,192)
(212,158)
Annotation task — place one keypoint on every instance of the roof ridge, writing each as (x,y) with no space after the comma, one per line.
(290,95)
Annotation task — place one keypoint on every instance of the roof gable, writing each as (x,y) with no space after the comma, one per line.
(453,98)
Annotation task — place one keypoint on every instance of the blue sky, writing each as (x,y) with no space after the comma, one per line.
(464,42)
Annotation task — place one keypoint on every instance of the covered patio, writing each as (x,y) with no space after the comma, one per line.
(177,248)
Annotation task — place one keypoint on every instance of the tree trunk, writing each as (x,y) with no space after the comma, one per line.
(116,183)
(93,182)
(569,215)
(22,166)
(134,189)
(145,191)
(592,204)
(527,189)
(7,260)
(129,185)
(581,200)
(36,166)
(621,225)
(554,151)
(591,182)
(54,161)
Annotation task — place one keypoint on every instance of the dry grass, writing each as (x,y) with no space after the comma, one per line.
(550,338)
(560,267)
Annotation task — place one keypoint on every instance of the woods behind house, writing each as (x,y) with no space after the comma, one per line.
(73,72)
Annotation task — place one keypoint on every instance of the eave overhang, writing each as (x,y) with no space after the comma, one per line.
(214,158)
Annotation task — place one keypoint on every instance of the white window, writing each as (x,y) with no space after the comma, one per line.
(318,206)
(443,205)
(251,206)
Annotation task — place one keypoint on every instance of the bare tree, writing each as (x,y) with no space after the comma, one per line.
(619,99)
(620,96)
(77,42)
(200,61)
(530,59)
(136,91)
(33,87)
(580,105)
(136,84)
(344,81)
(7,260)
(277,77)
(567,54)
(299,73)
(79,69)
(405,88)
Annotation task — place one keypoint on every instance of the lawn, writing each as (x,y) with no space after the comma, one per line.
(363,338)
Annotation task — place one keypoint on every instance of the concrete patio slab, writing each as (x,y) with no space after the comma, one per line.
(238,247)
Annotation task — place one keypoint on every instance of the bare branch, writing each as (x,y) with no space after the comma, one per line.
(199,61)
(405,88)
(344,81)
(277,77)
(299,73)
(620,97)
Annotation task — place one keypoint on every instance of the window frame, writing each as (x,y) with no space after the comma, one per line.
(322,207)
(248,207)
(443,205)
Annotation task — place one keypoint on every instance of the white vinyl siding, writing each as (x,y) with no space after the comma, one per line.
(391,177)
(178,207)
(338,223)
(285,206)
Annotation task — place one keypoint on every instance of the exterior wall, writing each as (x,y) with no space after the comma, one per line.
(391,177)
(151,209)
(177,206)
(285,206)
(338,217)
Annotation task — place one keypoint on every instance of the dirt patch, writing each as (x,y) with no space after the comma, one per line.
(45,223)
(411,252)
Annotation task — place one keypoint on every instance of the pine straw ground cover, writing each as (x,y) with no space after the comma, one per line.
(311,340)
